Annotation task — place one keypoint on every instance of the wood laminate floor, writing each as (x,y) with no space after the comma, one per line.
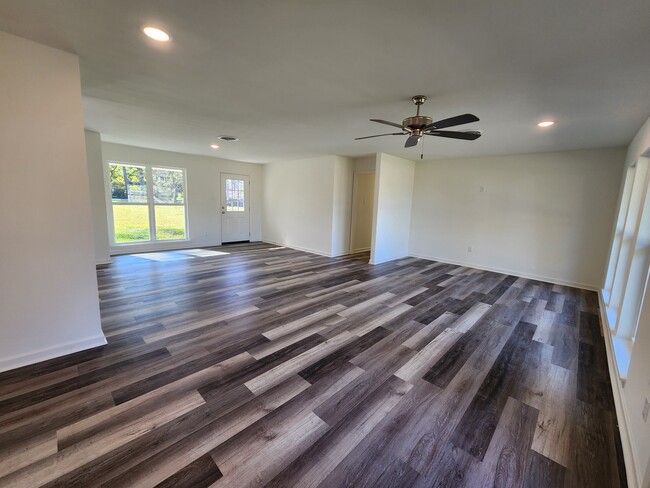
(273,367)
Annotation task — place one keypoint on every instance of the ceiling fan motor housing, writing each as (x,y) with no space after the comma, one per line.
(416,122)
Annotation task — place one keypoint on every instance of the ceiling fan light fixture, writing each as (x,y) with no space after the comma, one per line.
(156,34)
(546,123)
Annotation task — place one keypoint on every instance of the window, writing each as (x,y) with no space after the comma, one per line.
(169,201)
(146,198)
(235,195)
(130,205)
(628,271)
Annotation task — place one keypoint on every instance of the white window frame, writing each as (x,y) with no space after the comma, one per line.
(629,268)
(150,203)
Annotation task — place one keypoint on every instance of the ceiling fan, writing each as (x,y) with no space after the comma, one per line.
(419,125)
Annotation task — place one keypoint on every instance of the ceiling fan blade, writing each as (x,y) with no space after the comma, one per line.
(387,123)
(412,141)
(469,135)
(452,121)
(380,135)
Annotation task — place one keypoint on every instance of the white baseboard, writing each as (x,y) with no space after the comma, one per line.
(385,260)
(160,246)
(298,248)
(629,454)
(25,359)
(530,276)
(361,249)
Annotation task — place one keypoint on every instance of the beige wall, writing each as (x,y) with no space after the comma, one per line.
(48,291)
(366,164)
(547,216)
(342,205)
(203,193)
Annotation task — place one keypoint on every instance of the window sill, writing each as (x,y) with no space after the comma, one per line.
(148,243)
(622,355)
(611,318)
(621,347)
(605,296)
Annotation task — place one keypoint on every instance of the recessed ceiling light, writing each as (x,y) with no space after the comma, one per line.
(156,34)
(546,123)
(214,146)
(228,138)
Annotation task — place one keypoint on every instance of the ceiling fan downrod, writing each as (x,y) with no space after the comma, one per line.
(418,100)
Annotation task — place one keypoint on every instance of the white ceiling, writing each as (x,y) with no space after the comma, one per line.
(300,78)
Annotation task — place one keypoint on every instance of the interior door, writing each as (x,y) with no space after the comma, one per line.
(235,208)
(363,202)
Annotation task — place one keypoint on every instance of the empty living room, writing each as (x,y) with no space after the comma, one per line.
(359,243)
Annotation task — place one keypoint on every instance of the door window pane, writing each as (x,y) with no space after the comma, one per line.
(235,195)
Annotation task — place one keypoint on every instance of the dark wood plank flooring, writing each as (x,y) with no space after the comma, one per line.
(268,366)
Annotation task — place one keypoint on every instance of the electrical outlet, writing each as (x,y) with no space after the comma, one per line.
(646,407)
(469,248)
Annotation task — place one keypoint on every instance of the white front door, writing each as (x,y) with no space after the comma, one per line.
(235,208)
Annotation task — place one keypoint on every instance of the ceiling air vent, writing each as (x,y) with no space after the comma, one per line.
(228,138)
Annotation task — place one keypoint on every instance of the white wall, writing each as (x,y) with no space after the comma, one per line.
(342,205)
(97,198)
(48,290)
(637,385)
(392,210)
(636,390)
(547,216)
(297,204)
(307,204)
(202,191)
